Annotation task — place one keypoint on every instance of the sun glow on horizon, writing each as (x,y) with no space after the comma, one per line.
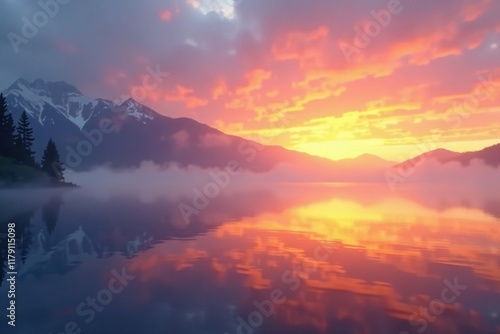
(341,149)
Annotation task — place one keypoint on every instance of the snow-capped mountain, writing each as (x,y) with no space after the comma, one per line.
(43,100)
(62,112)
(40,98)
(137,111)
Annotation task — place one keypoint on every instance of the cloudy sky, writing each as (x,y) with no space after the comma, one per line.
(320,76)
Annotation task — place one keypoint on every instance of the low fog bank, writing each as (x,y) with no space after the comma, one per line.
(154,177)
(431,184)
(174,183)
(476,174)
(150,180)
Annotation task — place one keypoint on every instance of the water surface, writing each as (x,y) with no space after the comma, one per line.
(303,258)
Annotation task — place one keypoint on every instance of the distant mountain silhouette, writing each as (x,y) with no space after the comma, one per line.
(489,156)
(366,161)
(441,155)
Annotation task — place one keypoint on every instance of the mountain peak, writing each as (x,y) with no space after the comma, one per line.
(131,102)
(63,86)
(39,84)
(442,154)
(365,158)
(18,84)
(46,87)
(442,151)
(369,157)
(43,99)
(138,110)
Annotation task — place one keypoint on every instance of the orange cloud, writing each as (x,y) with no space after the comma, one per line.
(473,10)
(296,68)
(302,46)
(220,89)
(185,95)
(255,80)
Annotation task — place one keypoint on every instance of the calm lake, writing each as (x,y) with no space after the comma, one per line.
(282,258)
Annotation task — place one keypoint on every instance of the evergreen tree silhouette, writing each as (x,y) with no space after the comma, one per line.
(24,141)
(7,129)
(24,235)
(3,113)
(9,136)
(51,162)
(50,213)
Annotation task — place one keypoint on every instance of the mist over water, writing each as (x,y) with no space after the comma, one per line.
(157,178)
(477,174)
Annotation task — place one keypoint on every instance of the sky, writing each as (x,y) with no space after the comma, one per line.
(331,78)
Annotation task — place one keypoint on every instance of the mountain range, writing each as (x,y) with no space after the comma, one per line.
(98,132)
(490,156)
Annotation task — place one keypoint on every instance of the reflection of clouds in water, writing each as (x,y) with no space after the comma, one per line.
(385,264)
(353,284)
(396,251)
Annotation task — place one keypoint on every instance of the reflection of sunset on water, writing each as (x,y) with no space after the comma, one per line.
(299,258)
(390,258)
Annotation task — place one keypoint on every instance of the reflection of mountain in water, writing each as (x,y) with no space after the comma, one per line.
(55,241)
(441,198)
(90,228)
(66,255)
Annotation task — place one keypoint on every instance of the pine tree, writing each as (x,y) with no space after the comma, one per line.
(24,234)
(24,141)
(51,162)
(7,137)
(3,112)
(19,149)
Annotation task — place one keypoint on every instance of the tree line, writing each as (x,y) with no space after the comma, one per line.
(16,142)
